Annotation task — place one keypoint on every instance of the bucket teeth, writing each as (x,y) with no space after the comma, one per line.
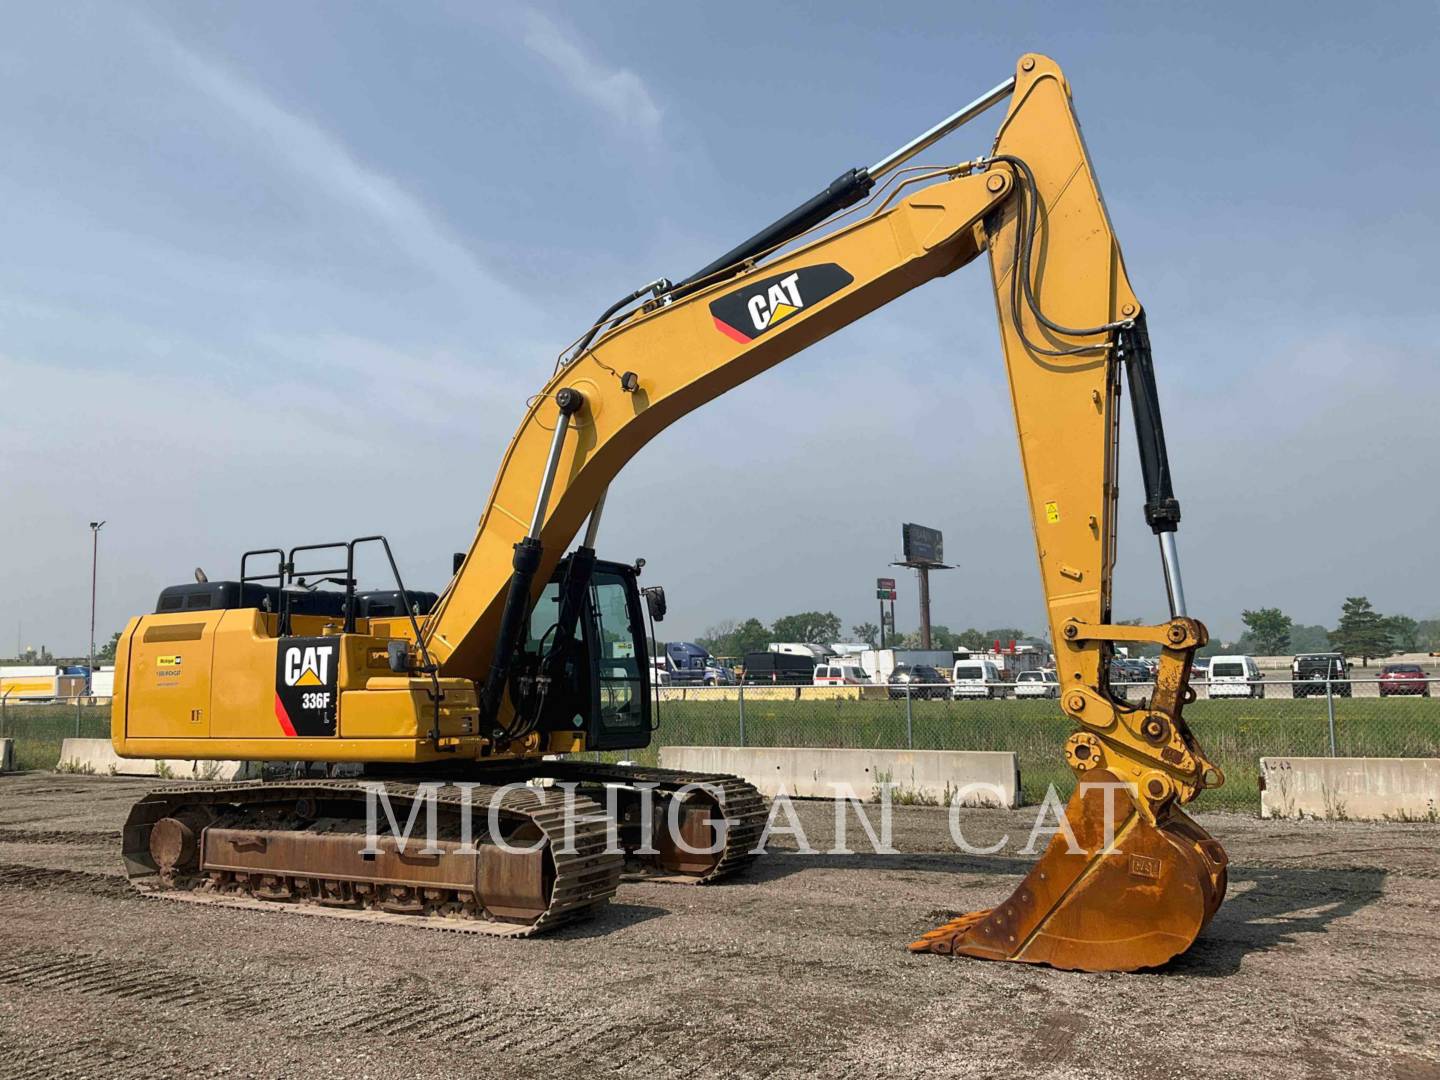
(941,940)
(1131,899)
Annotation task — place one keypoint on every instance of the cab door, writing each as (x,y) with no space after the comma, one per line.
(619,660)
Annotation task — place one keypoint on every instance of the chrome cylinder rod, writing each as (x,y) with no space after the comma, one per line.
(940,130)
(1170,558)
(592,527)
(569,402)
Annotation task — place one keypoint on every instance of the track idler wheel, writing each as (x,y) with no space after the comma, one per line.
(1134,904)
(175,843)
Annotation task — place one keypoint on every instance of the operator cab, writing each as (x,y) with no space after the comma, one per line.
(605,674)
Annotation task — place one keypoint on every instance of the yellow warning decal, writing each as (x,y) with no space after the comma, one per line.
(1052,513)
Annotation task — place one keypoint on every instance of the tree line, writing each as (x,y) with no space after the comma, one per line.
(1361,632)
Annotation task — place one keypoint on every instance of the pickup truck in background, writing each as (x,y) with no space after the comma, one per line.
(1311,672)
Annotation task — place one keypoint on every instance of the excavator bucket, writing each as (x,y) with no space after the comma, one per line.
(1131,904)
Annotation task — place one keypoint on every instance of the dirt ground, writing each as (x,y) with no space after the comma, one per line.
(1325,961)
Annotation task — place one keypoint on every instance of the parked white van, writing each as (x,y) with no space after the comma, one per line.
(1235,676)
(976,678)
(840,674)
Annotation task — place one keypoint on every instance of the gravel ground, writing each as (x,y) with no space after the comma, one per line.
(1323,962)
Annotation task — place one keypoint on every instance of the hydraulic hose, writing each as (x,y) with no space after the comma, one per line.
(658,286)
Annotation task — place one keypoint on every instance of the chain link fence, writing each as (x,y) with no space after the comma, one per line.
(1236,725)
(40,728)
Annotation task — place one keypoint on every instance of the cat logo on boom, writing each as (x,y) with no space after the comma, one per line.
(759,306)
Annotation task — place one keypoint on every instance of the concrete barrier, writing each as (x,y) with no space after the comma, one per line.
(810,772)
(1355,788)
(98,756)
(7,755)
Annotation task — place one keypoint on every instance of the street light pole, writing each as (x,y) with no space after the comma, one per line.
(95,527)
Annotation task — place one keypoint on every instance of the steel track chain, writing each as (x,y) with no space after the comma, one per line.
(586,875)
(743,808)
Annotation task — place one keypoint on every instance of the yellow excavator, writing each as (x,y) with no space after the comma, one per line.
(535,653)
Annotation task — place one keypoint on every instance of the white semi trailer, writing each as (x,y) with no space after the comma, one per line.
(880,664)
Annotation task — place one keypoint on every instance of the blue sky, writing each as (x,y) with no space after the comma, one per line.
(274,273)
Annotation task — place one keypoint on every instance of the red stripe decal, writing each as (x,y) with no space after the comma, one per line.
(730,332)
(283,716)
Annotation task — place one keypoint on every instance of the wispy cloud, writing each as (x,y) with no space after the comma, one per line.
(618,92)
(325,161)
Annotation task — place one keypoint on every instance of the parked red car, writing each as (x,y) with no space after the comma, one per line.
(1403,679)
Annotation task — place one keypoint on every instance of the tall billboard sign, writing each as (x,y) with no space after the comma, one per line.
(922,545)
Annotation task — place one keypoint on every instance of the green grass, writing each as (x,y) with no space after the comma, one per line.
(1234,733)
(39,730)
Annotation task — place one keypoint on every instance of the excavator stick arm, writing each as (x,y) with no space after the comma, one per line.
(1110,893)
